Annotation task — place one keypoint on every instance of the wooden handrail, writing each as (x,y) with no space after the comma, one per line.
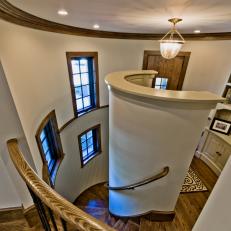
(162,174)
(69,212)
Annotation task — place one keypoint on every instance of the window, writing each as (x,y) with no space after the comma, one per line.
(49,144)
(89,144)
(161,83)
(83,73)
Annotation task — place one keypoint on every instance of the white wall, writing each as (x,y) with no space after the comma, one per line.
(13,191)
(148,135)
(36,69)
(216,213)
(8,195)
(71,178)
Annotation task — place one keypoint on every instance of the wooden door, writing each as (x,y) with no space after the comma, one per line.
(171,69)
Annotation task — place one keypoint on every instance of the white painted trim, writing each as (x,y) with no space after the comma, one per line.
(211,164)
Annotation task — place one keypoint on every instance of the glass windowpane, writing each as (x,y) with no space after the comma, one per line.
(85,78)
(90,141)
(84,153)
(76,80)
(79,103)
(42,135)
(86,90)
(158,81)
(45,145)
(78,92)
(89,134)
(87,101)
(83,138)
(90,149)
(48,157)
(83,65)
(164,81)
(84,145)
(75,66)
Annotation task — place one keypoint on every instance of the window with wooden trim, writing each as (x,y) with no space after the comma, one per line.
(160,83)
(49,145)
(83,74)
(89,144)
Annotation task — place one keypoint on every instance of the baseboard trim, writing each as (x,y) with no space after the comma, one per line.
(151,215)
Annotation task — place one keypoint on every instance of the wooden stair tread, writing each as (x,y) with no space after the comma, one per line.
(131,226)
(119,225)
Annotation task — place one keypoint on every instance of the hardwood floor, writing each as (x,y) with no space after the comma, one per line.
(189,205)
(14,220)
(95,202)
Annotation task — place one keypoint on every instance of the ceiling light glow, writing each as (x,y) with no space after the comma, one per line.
(96,26)
(197,31)
(62,12)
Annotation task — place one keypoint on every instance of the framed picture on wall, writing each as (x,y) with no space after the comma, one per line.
(221,126)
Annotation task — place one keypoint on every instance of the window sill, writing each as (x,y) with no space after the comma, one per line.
(90,159)
(88,111)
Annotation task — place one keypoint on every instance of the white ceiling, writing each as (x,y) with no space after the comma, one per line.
(139,16)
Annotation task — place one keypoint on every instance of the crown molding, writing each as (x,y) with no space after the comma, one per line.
(12,14)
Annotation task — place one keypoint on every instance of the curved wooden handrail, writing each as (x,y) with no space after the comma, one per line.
(69,212)
(162,174)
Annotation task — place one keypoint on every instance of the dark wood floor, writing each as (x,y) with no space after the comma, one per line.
(189,205)
(95,202)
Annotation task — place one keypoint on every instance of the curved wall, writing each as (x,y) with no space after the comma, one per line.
(36,70)
(71,179)
(149,135)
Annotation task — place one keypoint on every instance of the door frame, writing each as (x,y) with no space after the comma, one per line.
(185,54)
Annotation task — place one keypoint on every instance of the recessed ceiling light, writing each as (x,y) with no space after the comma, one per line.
(197,31)
(96,26)
(62,12)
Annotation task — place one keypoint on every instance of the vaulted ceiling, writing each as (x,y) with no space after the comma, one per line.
(138,16)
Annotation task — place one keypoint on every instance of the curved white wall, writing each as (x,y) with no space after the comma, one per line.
(36,70)
(71,178)
(149,135)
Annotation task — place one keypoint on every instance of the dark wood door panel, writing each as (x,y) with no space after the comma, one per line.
(172,69)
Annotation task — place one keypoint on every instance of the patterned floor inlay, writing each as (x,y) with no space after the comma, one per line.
(192,183)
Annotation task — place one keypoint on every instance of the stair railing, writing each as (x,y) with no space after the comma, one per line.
(158,176)
(49,202)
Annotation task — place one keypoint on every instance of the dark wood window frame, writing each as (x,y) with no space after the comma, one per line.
(99,151)
(70,56)
(47,176)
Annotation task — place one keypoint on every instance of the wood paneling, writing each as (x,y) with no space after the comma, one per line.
(173,69)
(12,14)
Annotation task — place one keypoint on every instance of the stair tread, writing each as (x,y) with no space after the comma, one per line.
(131,226)
(119,225)
(100,213)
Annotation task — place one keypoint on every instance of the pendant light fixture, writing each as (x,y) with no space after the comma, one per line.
(172,42)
